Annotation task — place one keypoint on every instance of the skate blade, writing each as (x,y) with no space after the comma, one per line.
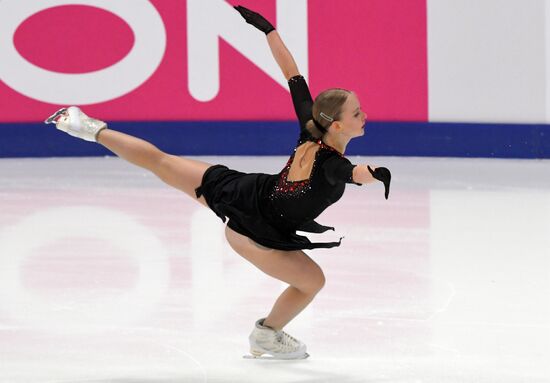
(271,357)
(53,117)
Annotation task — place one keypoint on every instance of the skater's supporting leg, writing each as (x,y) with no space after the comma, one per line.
(182,173)
(303,275)
(289,304)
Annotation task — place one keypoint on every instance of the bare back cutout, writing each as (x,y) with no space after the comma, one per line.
(303,161)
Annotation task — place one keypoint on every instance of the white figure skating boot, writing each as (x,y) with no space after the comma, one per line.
(278,344)
(74,122)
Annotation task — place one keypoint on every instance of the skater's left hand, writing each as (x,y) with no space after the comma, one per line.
(383,175)
(255,19)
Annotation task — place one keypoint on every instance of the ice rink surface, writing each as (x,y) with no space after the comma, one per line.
(108,275)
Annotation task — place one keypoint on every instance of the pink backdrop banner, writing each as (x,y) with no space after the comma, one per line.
(377,48)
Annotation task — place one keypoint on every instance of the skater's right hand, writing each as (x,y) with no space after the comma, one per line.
(383,175)
(255,19)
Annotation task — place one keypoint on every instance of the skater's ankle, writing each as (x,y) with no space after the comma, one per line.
(99,134)
(266,323)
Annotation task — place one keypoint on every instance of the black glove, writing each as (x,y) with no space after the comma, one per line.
(255,19)
(384,175)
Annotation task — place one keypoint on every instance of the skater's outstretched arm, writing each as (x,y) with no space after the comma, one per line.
(279,50)
(282,55)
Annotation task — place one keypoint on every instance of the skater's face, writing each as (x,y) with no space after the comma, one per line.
(352,120)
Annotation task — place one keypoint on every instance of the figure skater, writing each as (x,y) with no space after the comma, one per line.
(264,211)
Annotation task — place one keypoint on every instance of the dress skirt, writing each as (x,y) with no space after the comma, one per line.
(243,198)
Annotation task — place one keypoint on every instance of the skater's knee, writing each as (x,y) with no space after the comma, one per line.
(163,166)
(313,282)
(319,281)
(163,161)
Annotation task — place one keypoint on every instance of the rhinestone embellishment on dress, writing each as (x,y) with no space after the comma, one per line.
(293,189)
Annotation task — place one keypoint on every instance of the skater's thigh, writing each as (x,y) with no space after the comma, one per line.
(292,267)
(183,173)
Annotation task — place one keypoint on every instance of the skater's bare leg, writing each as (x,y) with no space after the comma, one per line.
(289,304)
(182,173)
(303,275)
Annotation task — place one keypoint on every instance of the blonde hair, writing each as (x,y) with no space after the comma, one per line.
(327,107)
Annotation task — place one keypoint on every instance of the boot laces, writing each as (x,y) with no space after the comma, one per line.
(287,340)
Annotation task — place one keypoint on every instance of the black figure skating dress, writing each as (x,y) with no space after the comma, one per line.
(268,208)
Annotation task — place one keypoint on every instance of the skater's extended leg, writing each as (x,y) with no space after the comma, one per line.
(182,173)
(303,275)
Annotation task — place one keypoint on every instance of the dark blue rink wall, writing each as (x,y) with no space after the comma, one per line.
(278,138)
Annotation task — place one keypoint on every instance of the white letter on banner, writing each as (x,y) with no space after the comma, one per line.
(98,86)
(208,20)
